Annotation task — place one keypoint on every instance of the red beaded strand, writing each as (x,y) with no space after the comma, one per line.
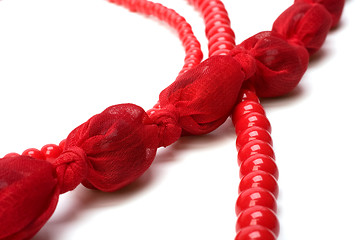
(217,26)
(256,204)
(192,46)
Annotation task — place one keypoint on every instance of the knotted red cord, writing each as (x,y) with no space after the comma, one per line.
(115,147)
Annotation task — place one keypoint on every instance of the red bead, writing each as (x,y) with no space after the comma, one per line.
(250,120)
(255,147)
(62,144)
(255,197)
(51,151)
(33,152)
(255,232)
(258,216)
(259,162)
(259,179)
(253,133)
(13,154)
(245,107)
(248,95)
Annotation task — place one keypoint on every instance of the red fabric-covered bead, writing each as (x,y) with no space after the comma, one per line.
(202,103)
(259,179)
(252,119)
(51,151)
(335,8)
(119,145)
(258,216)
(255,232)
(13,154)
(255,197)
(252,133)
(279,64)
(28,196)
(306,24)
(246,107)
(259,162)
(253,148)
(35,153)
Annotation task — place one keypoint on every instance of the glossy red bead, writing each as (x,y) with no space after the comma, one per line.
(62,144)
(255,147)
(255,197)
(246,107)
(251,134)
(258,216)
(255,232)
(35,153)
(259,162)
(259,179)
(13,154)
(51,151)
(250,120)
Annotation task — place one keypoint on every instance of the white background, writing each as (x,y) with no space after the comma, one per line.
(64,61)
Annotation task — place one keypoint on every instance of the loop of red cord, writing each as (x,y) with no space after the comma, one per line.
(115,147)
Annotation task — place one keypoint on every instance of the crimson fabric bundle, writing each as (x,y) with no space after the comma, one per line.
(115,147)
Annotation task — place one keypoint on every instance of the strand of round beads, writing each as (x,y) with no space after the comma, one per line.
(256,204)
(217,26)
(192,46)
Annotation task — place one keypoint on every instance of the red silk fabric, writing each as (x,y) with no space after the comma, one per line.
(28,196)
(205,95)
(115,147)
(304,24)
(279,65)
(120,144)
(334,7)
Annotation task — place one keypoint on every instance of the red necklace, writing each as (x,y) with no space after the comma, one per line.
(115,147)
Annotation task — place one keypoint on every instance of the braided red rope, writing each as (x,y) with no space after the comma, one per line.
(99,144)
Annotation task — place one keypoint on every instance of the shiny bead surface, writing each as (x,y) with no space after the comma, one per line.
(258,216)
(255,147)
(33,152)
(255,232)
(246,107)
(255,197)
(250,120)
(259,179)
(13,154)
(51,151)
(253,133)
(259,162)
(248,95)
(62,144)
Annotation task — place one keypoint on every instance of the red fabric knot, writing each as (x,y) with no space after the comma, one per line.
(166,118)
(246,60)
(205,95)
(304,24)
(71,168)
(279,64)
(120,144)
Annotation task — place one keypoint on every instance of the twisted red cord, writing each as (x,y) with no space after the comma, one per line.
(218,30)
(193,53)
